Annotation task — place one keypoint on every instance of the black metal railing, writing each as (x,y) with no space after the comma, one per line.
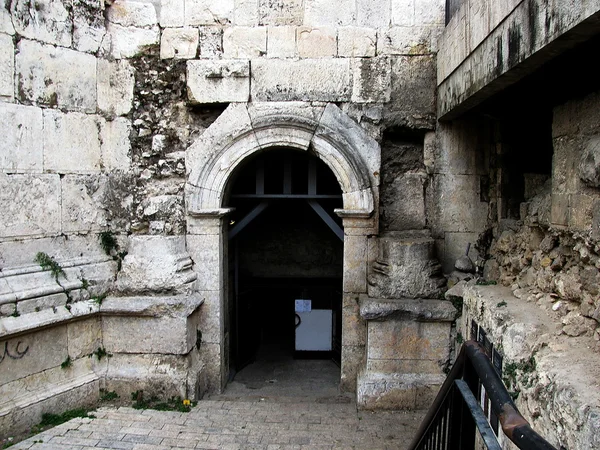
(456,416)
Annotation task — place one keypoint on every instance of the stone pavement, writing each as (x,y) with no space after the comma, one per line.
(259,423)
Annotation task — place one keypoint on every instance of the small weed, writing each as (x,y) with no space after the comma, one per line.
(85,284)
(108,242)
(98,298)
(8,444)
(47,262)
(482,282)
(459,338)
(173,404)
(501,304)
(37,309)
(15,313)
(68,307)
(66,363)
(107,396)
(51,420)
(100,353)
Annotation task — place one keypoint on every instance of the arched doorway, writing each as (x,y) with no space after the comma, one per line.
(285,264)
(245,130)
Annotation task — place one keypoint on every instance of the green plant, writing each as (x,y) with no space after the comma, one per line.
(172,404)
(459,338)
(98,298)
(51,420)
(501,304)
(66,363)
(108,242)
(106,396)
(47,262)
(482,282)
(15,312)
(100,353)
(85,284)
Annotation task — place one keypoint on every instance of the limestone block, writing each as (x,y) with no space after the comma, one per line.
(31,205)
(37,354)
(208,12)
(407,40)
(354,327)
(246,13)
(115,87)
(39,303)
(218,81)
(55,76)
(7,67)
(72,142)
(281,42)
(328,13)
(180,43)
(155,263)
(88,31)
(305,80)
(210,321)
(371,80)
(356,42)
(211,42)
(116,145)
(6,25)
(403,12)
(280,12)
(409,214)
(373,13)
(45,20)
(377,391)
(430,12)
(352,364)
(316,42)
(205,251)
(84,337)
(244,42)
(132,13)
(172,13)
(413,87)
(21,128)
(355,264)
(82,203)
(126,42)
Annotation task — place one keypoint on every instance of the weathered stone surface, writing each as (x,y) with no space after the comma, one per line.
(31,205)
(419,310)
(305,80)
(6,25)
(408,214)
(55,76)
(355,264)
(218,81)
(179,43)
(207,12)
(408,40)
(116,145)
(127,42)
(132,13)
(7,67)
(21,128)
(84,337)
(82,203)
(406,267)
(245,13)
(211,42)
(281,42)
(44,20)
(372,80)
(352,363)
(244,42)
(397,391)
(172,13)
(72,142)
(327,13)
(316,42)
(89,28)
(156,263)
(280,12)
(205,252)
(589,166)
(373,13)
(356,42)
(115,87)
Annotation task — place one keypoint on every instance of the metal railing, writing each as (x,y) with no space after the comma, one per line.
(455,417)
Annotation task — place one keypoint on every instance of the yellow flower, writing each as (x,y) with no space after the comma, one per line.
(186,402)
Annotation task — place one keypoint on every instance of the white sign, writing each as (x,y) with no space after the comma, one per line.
(303,305)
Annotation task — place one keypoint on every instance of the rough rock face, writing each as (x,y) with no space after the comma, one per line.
(558,269)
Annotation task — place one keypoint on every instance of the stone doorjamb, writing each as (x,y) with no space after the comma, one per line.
(241,131)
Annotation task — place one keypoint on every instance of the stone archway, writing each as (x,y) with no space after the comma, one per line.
(241,131)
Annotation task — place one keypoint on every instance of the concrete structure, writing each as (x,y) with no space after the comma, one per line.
(148,188)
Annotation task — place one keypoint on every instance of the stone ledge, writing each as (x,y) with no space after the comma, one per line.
(172,306)
(421,310)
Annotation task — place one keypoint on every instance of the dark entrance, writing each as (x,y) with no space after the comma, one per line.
(285,245)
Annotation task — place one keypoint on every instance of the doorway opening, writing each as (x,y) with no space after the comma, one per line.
(285,264)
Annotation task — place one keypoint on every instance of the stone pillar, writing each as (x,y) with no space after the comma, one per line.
(207,246)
